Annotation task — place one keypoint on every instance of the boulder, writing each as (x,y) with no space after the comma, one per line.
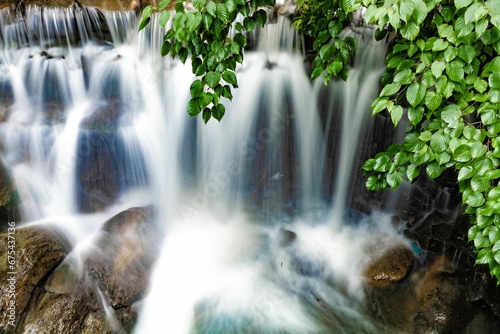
(66,304)
(37,252)
(121,260)
(392,267)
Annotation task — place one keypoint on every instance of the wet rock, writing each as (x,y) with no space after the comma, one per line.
(38,251)
(8,200)
(50,3)
(392,267)
(111,4)
(67,303)
(440,301)
(96,170)
(122,258)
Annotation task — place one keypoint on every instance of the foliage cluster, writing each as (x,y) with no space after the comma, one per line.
(443,77)
(212,34)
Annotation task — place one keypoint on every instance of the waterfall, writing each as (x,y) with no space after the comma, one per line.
(94,122)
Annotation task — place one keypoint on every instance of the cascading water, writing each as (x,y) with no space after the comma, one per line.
(249,243)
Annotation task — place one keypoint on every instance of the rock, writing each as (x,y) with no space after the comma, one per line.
(441,303)
(8,200)
(38,251)
(111,4)
(122,258)
(390,268)
(67,313)
(50,3)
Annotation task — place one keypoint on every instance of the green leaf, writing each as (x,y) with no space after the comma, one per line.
(178,21)
(230,78)
(222,12)
(415,114)
(462,3)
(390,89)
(231,5)
(193,20)
(404,77)
(484,256)
(467,53)
(420,11)
(406,8)
(163,4)
(493,6)
(218,111)
(462,153)
(463,28)
(164,17)
(394,179)
(326,52)
(488,116)
(193,107)
(450,53)
(183,54)
(240,39)
(196,88)
(207,113)
(260,17)
(415,93)
(412,172)
(410,30)
(439,45)
(205,99)
(396,115)
(198,4)
(200,70)
(346,5)
(439,142)
(249,23)
(212,79)
(147,11)
(480,85)
(434,170)
(479,183)
(475,200)
(465,173)
(335,28)
(494,80)
(335,68)
(437,68)
(478,150)
(211,8)
(144,23)
(432,100)
(379,104)
(165,48)
(470,13)
(455,73)
(451,113)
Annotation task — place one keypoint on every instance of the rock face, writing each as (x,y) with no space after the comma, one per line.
(391,268)
(107,4)
(66,294)
(8,200)
(38,251)
(122,259)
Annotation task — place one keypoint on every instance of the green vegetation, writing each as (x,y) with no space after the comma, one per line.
(443,74)
(205,35)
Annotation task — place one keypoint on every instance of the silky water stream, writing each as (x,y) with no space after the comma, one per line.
(255,236)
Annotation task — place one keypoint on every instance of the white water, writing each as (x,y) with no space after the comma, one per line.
(224,192)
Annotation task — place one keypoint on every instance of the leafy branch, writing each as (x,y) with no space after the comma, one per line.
(205,35)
